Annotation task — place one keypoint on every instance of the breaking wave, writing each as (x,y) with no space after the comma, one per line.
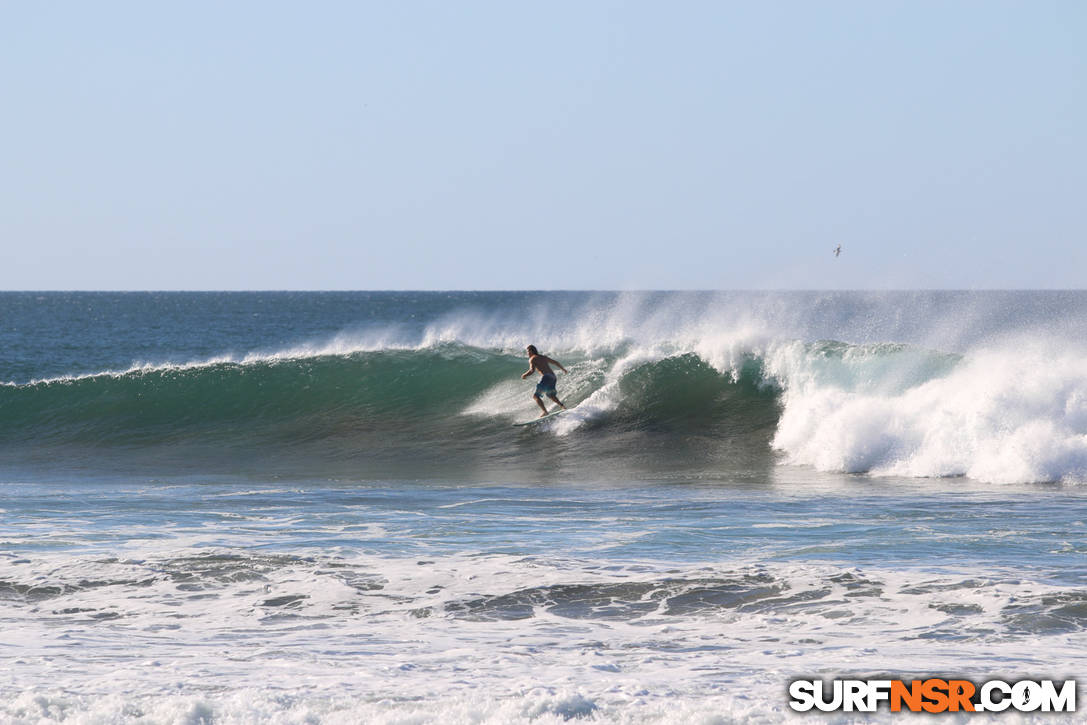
(1009,412)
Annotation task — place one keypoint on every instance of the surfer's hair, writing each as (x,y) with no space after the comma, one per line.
(532,350)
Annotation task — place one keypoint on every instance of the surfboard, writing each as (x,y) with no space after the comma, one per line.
(541,418)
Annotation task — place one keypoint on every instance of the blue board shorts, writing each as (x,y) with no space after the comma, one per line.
(546,386)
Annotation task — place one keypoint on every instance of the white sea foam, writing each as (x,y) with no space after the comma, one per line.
(1012,413)
(376,639)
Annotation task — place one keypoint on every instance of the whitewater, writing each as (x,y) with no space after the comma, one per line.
(314,507)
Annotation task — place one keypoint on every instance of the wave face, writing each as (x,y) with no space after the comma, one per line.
(992,386)
(409,412)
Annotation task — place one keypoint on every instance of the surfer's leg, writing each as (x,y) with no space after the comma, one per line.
(556,399)
(539,402)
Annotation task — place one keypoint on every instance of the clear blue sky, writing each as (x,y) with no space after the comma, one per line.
(559,145)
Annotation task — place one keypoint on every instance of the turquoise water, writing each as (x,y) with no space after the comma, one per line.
(313,507)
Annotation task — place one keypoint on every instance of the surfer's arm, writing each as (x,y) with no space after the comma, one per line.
(551,359)
(531,369)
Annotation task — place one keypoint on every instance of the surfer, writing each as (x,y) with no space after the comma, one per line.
(542,364)
(838,250)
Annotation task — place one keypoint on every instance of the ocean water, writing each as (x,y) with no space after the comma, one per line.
(314,508)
